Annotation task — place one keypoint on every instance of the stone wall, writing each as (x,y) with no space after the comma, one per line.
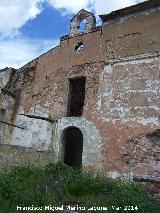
(7,104)
(137,33)
(142,154)
(4,76)
(21,156)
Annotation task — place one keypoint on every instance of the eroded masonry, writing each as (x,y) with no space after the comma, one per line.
(91,101)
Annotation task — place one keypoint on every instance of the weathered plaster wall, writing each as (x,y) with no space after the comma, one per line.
(132,105)
(36,134)
(53,98)
(6,102)
(20,85)
(128,105)
(142,154)
(132,88)
(52,103)
(64,57)
(134,34)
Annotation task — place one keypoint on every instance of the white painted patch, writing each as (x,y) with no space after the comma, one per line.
(147,107)
(47,104)
(36,134)
(37,111)
(107,69)
(151,120)
(7,101)
(123,176)
(98,104)
(105,91)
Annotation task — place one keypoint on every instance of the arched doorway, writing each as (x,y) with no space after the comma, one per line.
(72,147)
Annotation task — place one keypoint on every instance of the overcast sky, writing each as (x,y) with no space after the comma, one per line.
(28,28)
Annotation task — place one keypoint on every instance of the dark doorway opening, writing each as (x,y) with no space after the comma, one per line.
(73,147)
(76,96)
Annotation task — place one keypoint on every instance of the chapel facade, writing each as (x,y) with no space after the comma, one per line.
(93,100)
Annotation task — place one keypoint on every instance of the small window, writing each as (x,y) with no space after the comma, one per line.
(79,47)
(76,96)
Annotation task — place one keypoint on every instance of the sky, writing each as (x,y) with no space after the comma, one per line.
(29,28)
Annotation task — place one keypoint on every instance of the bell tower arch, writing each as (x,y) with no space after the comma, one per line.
(82,15)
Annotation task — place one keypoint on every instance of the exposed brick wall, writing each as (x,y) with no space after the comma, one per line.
(135,34)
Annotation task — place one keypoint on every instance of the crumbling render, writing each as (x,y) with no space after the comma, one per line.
(142,155)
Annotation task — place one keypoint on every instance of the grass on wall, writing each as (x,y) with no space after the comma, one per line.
(58,185)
